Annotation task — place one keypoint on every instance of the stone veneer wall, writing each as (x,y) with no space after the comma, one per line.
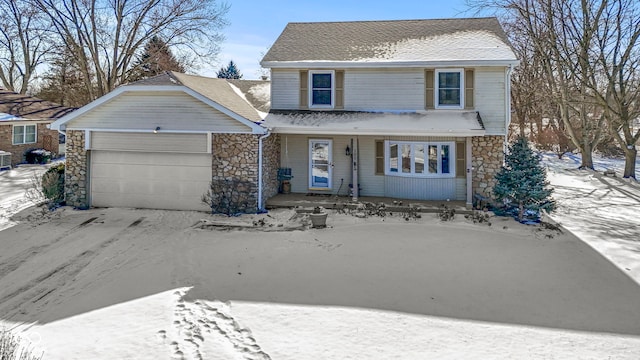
(75,174)
(270,165)
(235,156)
(488,156)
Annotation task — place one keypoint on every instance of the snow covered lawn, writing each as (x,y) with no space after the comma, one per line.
(13,185)
(142,284)
(601,210)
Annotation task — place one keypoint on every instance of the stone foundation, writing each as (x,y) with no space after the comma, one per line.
(270,165)
(488,157)
(75,174)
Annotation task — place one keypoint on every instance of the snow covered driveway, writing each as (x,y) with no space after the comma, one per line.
(142,284)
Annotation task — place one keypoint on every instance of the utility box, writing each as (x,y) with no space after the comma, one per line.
(5,160)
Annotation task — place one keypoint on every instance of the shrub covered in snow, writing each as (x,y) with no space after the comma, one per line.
(37,156)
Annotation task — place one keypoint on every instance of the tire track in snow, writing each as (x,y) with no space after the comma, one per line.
(193,321)
(42,287)
(14,262)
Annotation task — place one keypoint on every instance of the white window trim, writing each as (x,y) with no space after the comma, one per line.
(333,89)
(436,86)
(24,134)
(426,144)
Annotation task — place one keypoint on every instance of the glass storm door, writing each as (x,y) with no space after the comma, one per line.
(320,164)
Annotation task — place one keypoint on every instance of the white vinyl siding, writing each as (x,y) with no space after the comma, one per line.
(490,98)
(397,89)
(366,90)
(285,89)
(422,189)
(176,111)
(181,143)
(149,180)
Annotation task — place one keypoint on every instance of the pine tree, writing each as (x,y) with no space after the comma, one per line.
(155,59)
(64,82)
(522,181)
(229,72)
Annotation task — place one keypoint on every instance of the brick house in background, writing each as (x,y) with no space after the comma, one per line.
(24,124)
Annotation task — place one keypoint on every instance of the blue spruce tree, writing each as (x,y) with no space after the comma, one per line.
(522,182)
(229,72)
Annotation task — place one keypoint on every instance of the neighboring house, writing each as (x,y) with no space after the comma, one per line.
(159,142)
(415,109)
(24,124)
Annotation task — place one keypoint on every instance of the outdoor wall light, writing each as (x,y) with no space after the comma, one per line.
(347,151)
(155,131)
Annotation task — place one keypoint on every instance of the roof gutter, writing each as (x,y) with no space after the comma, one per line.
(322,64)
(376,132)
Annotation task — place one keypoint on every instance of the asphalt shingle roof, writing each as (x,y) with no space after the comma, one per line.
(217,90)
(398,40)
(30,108)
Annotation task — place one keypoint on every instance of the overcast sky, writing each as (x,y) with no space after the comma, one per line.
(255,25)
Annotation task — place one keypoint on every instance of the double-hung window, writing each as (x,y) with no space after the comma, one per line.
(322,86)
(24,134)
(449,88)
(420,159)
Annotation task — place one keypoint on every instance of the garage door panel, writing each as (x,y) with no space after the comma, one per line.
(150,172)
(149,180)
(137,158)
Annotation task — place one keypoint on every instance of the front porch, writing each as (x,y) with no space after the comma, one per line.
(309,201)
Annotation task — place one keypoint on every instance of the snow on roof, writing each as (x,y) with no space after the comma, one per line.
(9,117)
(465,45)
(402,41)
(433,123)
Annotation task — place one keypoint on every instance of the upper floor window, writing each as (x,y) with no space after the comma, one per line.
(24,134)
(449,85)
(322,87)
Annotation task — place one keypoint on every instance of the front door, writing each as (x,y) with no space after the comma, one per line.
(320,165)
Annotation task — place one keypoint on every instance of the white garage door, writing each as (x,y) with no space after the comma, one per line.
(149,180)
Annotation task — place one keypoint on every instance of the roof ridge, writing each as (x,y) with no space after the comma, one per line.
(391,20)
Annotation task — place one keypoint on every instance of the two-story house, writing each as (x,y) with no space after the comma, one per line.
(415,109)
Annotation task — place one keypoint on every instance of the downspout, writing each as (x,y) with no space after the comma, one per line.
(260,207)
(507,106)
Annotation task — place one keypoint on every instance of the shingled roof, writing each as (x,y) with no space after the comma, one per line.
(218,90)
(24,107)
(442,40)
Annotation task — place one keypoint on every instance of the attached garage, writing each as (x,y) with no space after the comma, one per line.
(149,180)
(155,171)
(151,145)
